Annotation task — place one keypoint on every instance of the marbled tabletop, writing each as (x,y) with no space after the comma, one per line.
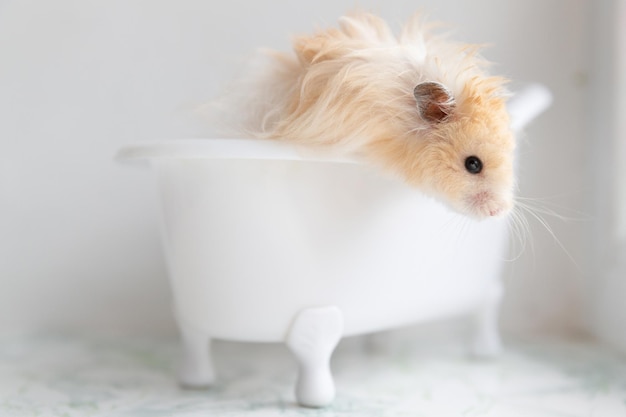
(73,376)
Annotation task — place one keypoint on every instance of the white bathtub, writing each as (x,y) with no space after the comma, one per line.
(265,244)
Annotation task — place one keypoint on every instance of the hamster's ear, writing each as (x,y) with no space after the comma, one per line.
(435,102)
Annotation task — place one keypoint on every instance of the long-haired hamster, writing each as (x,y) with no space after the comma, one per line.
(413,104)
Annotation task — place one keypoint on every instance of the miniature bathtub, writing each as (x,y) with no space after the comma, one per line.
(265,243)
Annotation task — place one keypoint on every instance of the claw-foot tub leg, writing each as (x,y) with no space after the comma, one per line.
(312,339)
(486,341)
(196,366)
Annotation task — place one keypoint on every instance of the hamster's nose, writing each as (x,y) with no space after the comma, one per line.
(500,208)
(485,204)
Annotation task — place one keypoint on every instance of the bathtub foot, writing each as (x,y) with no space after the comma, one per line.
(486,342)
(312,340)
(196,369)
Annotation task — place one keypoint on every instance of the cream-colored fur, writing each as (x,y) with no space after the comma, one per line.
(351,89)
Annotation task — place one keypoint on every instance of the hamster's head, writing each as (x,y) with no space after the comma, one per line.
(464,154)
(457,149)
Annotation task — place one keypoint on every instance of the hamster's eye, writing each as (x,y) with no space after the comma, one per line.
(473,165)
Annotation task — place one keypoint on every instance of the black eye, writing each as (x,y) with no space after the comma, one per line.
(473,165)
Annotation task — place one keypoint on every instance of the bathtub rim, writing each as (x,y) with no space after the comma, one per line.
(225,148)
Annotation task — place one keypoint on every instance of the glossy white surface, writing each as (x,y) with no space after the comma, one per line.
(250,243)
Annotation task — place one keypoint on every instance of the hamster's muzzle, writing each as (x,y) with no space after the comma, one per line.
(486,204)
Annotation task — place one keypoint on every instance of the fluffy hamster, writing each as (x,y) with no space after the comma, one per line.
(416,105)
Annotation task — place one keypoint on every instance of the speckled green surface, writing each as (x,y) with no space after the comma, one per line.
(73,376)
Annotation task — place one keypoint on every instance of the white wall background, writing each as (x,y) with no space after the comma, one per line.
(79,248)
(607,290)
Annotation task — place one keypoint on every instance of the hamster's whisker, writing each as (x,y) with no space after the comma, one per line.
(455,223)
(539,205)
(520,233)
(537,216)
(452,221)
(465,229)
